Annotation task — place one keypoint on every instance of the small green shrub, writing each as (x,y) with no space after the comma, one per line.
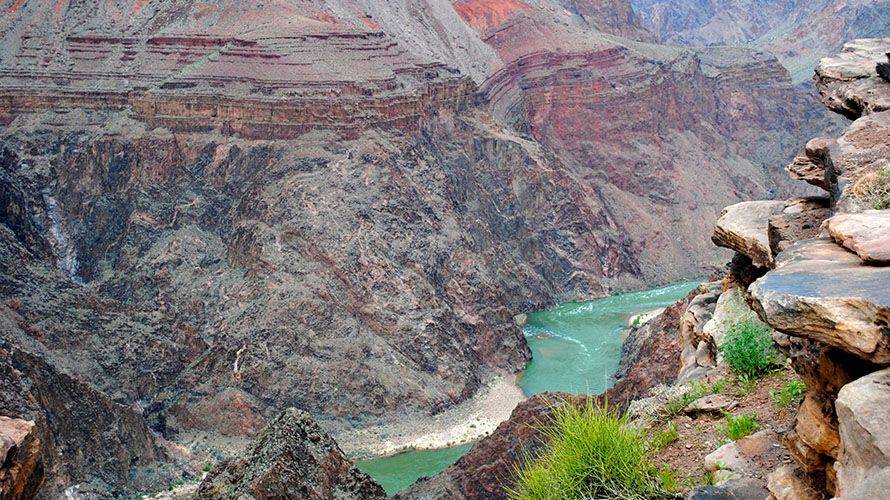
(669,481)
(664,437)
(738,427)
(592,452)
(749,348)
(790,393)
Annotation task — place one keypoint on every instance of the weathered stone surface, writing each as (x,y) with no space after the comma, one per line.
(816,427)
(849,83)
(822,292)
(861,155)
(292,458)
(785,484)
(741,456)
(715,403)
(743,227)
(863,469)
(731,308)
(694,349)
(735,488)
(801,220)
(21,459)
(815,165)
(866,233)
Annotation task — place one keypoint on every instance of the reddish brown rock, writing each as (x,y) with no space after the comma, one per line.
(21,460)
(866,233)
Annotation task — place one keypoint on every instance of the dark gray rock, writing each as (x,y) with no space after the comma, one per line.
(292,458)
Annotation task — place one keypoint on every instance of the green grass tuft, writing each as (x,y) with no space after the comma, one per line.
(665,437)
(790,393)
(749,349)
(738,427)
(592,452)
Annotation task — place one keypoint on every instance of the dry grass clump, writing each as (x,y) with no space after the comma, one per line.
(873,189)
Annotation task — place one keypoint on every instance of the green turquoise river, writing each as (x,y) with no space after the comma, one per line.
(576,348)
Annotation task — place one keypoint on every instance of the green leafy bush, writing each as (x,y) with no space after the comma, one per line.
(738,427)
(592,452)
(790,393)
(749,349)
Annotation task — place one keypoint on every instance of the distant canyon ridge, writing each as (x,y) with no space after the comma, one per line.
(212,211)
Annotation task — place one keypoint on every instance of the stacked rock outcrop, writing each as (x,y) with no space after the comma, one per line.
(826,288)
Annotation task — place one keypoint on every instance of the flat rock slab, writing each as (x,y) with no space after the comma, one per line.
(715,403)
(866,233)
(822,292)
(743,227)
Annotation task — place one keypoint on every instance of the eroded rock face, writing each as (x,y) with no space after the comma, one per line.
(21,460)
(849,83)
(863,469)
(822,292)
(743,227)
(866,233)
(291,458)
(815,166)
(801,220)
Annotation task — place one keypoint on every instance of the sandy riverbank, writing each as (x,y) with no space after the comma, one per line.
(464,423)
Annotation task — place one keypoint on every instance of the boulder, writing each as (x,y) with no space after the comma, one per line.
(736,488)
(863,411)
(745,455)
(743,227)
(694,359)
(816,428)
(785,484)
(21,461)
(866,233)
(820,291)
(292,458)
(813,166)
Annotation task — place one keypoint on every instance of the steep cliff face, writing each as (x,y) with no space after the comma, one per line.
(798,32)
